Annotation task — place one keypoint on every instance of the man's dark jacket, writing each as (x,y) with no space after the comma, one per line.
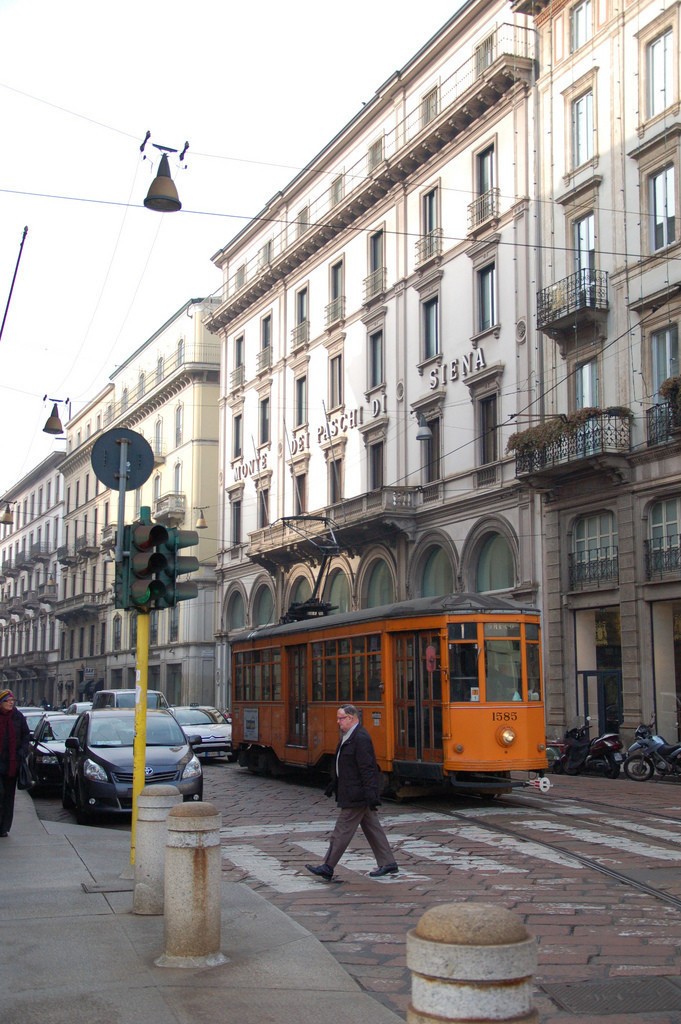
(18,723)
(358,781)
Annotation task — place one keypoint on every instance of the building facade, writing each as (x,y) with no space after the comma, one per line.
(167,391)
(30,534)
(377,348)
(608,302)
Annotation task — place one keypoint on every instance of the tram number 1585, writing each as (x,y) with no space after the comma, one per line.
(504,716)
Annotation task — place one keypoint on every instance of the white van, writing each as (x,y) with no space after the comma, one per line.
(126,699)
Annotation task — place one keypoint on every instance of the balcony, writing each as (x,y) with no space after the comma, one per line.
(158,449)
(374,284)
(22,560)
(9,568)
(264,359)
(170,509)
(66,554)
(15,605)
(81,607)
(47,592)
(429,246)
(237,378)
(300,335)
(85,546)
(4,611)
(663,421)
(356,522)
(587,441)
(107,540)
(596,568)
(662,557)
(575,302)
(39,553)
(30,599)
(334,311)
(483,210)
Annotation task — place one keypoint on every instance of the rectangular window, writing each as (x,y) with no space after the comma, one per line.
(237,437)
(376,466)
(265,332)
(300,414)
(376,251)
(488,430)
(585,244)
(301,306)
(586,385)
(484,166)
(264,421)
(302,221)
(153,627)
(300,494)
(484,54)
(665,356)
(486,300)
(263,508)
(375,154)
(236,522)
(582,129)
(660,73)
(238,351)
(336,280)
(335,481)
(240,277)
(431,327)
(580,25)
(376,359)
(336,382)
(265,254)
(432,451)
(662,208)
(336,190)
(429,107)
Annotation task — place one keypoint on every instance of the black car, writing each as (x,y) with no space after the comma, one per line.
(46,752)
(98,762)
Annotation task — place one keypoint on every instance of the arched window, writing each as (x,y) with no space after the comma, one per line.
(438,578)
(338,592)
(178,426)
(496,570)
(117,633)
(159,369)
(158,437)
(157,487)
(236,615)
(180,352)
(380,586)
(177,478)
(141,384)
(264,607)
(302,591)
(124,400)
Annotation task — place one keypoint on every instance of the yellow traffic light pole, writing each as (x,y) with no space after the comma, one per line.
(140,745)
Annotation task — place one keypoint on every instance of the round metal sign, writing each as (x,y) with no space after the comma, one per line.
(106,459)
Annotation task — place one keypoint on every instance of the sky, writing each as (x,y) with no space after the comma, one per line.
(257,89)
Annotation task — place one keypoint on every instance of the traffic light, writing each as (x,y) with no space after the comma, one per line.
(176,565)
(146,564)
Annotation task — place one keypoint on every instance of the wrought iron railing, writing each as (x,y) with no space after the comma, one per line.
(237,377)
(264,359)
(483,208)
(300,335)
(374,284)
(593,568)
(662,556)
(335,310)
(662,421)
(586,289)
(429,245)
(607,433)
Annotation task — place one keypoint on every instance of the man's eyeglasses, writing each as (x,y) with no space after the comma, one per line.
(343,716)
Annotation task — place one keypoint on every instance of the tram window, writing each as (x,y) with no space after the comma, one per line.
(463,671)
(330,679)
(502,628)
(343,679)
(462,631)
(257,682)
(276,676)
(374,666)
(359,683)
(531,631)
(533,673)
(266,684)
(317,673)
(503,671)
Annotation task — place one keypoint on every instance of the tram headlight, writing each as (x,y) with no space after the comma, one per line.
(505,736)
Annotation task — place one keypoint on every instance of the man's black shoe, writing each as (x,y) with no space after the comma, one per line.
(323,870)
(387,869)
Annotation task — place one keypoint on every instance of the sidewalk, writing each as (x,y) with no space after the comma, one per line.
(74,953)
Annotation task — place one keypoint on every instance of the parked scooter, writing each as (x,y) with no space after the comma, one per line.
(650,753)
(582,756)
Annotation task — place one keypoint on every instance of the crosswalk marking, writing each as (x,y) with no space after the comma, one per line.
(267,869)
(524,847)
(422,849)
(600,839)
(361,862)
(293,827)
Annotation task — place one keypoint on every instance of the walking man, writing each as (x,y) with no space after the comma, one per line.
(357,790)
(14,739)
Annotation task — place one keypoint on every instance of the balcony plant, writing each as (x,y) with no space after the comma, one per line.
(557,427)
(670,390)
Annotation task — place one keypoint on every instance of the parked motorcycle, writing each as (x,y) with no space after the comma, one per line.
(583,756)
(651,753)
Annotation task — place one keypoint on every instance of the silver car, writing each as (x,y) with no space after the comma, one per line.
(208,723)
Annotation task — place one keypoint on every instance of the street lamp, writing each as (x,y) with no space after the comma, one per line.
(201,523)
(54,425)
(162,195)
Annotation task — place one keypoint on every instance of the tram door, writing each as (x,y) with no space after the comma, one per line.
(418,697)
(297,696)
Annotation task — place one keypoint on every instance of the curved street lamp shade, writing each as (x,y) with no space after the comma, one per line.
(53,425)
(162,195)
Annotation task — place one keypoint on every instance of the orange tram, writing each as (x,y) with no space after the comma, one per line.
(450,689)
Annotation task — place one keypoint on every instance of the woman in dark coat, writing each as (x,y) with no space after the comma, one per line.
(356,784)
(14,740)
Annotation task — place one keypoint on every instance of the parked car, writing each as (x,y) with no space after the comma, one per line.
(46,752)
(126,699)
(98,761)
(77,707)
(32,716)
(209,724)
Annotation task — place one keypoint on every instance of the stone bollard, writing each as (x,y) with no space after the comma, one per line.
(153,805)
(193,888)
(471,962)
